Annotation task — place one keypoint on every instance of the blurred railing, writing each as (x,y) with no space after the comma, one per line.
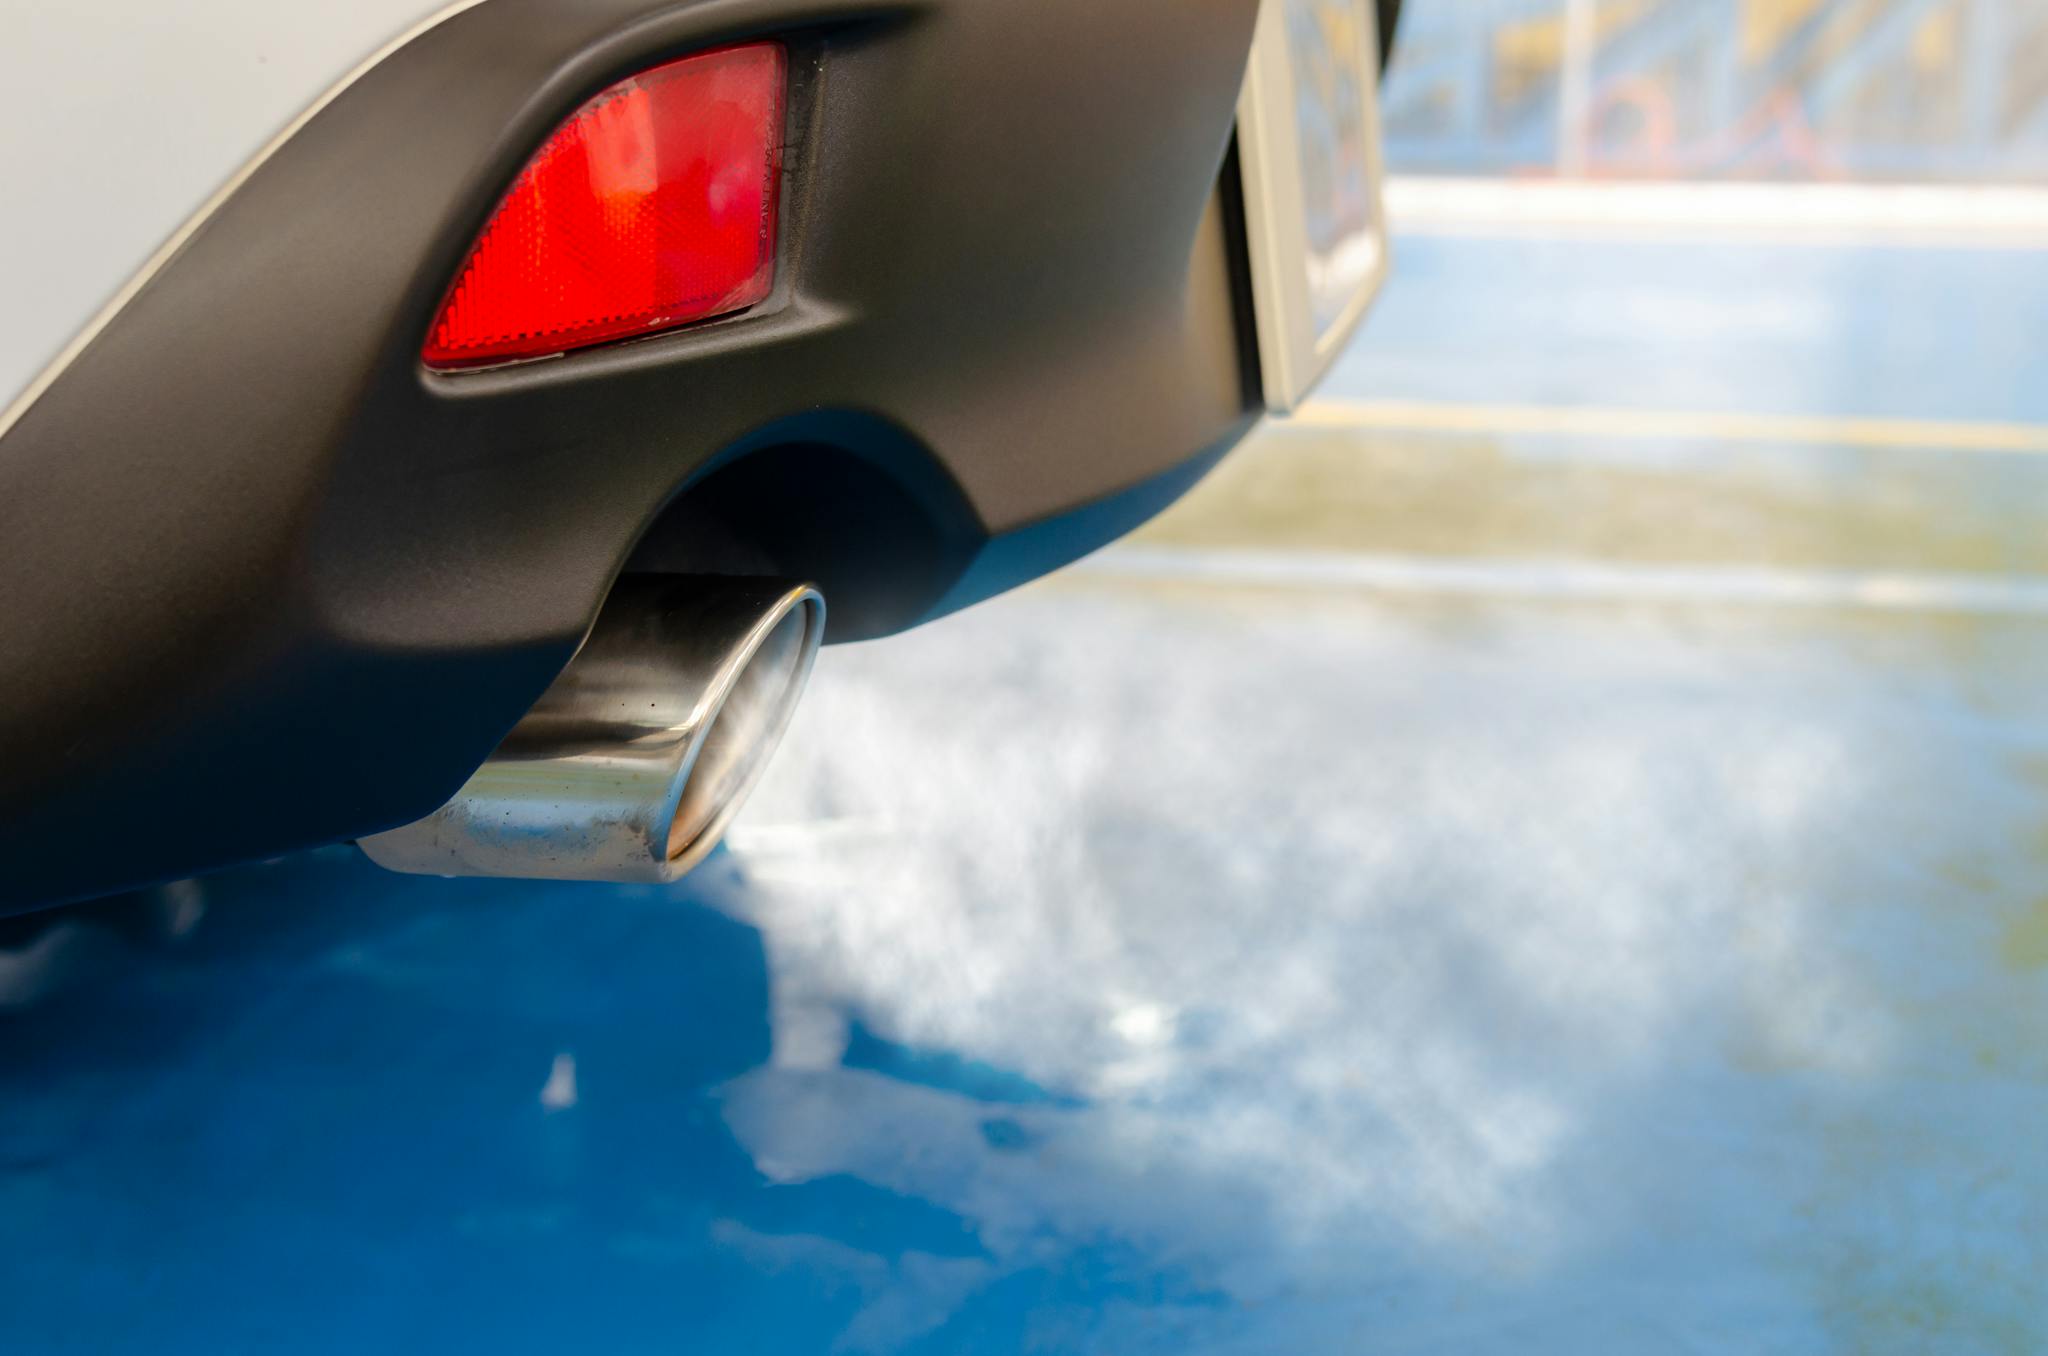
(1920,90)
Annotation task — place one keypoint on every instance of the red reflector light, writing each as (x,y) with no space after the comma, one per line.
(653,206)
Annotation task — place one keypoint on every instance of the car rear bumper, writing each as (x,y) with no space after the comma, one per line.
(266,582)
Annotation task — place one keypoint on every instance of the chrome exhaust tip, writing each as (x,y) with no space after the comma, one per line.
(633,762)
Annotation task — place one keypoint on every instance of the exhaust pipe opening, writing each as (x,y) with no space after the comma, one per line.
(743,732)
(632,764)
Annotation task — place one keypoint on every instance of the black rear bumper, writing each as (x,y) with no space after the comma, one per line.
(265,582)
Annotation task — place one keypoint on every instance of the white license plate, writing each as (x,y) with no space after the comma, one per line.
(1308,139)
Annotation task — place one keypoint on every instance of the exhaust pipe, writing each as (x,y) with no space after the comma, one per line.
(632,764)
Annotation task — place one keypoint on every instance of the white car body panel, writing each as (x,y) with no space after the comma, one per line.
(125,119)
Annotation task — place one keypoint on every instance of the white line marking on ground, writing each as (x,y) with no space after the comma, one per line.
(1576,581)
(1923,215)
(1719,426)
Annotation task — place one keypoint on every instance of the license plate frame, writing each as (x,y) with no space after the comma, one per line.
(1308,141)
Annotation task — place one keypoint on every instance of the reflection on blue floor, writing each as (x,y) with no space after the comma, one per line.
(328,1123)
(320,1126)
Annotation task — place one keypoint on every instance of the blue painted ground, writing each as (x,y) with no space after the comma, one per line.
(1750,328)
(1128,967)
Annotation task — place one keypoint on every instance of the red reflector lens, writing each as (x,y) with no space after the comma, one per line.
(652,207)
